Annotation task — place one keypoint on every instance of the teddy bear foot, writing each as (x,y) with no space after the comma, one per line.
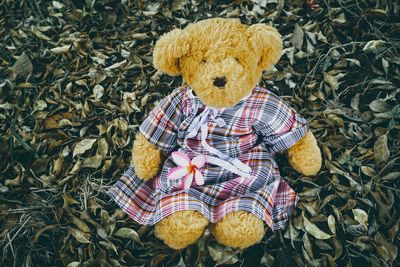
(239,229)
(181,228)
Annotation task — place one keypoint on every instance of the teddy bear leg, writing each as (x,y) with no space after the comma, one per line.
(146,158)
(305,155)
(181,228)
(238,229)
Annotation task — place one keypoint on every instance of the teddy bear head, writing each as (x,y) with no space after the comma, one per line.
(220,59)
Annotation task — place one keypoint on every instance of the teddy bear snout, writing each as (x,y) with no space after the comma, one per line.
(219,82)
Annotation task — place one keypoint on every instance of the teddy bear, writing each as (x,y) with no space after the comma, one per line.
(204,156)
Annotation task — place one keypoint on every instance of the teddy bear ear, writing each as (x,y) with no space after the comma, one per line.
(168,51)
(268,41)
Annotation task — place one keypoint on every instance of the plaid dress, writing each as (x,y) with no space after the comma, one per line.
(254,129)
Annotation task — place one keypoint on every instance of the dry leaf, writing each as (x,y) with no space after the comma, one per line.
(22,67)
(83,146)
(332,224)
(80,236)
(361,217)
(127,233)
(61,49)
(314,230)
(381,150)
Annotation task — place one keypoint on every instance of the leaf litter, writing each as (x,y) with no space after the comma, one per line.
(76,81)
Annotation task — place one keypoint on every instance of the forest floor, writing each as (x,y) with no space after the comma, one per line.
(76,81)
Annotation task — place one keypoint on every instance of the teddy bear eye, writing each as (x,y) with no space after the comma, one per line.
(237,59)
(203,61)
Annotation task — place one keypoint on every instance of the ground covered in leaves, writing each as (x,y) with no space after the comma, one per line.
(76,80)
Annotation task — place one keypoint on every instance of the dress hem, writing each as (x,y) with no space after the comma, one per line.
(222,209)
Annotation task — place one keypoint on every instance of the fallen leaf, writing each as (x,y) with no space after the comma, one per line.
(80,236)
(381,150)
(61,50)
(83,146)
(22,67)
(332,224)
(361,217)
(314,230)
(127,233)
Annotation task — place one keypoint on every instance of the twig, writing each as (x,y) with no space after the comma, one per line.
(10,241)
(350,86)
(312,72)
(388,187)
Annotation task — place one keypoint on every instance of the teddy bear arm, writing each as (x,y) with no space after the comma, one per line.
(305,156)
(146,158)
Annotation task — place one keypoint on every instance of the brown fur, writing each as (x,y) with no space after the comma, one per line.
(239,229)
(200,53)
(305,156)
(146,158)
(181,228)
(219,47)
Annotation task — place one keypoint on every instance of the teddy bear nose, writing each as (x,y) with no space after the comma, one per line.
(219,81)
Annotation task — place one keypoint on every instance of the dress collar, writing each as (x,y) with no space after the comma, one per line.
(195,99)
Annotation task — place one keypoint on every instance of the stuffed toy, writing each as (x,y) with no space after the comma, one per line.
(204,157)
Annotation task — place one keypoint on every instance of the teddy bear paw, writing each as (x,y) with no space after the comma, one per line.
(146,158)
(305,156)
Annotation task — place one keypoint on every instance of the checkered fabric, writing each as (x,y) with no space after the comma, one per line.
(256,127)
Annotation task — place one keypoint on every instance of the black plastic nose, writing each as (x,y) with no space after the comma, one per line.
(219,81)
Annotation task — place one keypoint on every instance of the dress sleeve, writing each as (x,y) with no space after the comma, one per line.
(161,126)
(279,125)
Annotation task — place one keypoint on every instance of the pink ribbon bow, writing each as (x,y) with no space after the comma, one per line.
(187,169)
